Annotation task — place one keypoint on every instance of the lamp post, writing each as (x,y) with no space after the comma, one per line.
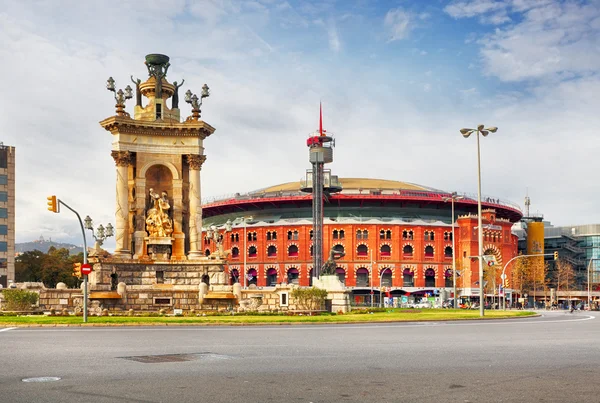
(484,132)
(101,232)
(196,102)
(120,95)
(453,197)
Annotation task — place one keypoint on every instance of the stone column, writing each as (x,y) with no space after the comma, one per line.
(122,161)
(178,246)
(140,218)
(195,211)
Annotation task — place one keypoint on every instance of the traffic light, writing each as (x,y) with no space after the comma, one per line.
(556,255)
(52,204)
(77,270)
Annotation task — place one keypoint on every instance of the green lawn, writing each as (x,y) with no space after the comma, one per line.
(391,315)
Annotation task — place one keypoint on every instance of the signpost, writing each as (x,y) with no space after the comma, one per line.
(86,269)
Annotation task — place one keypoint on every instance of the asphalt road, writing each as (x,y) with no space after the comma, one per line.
(555,358)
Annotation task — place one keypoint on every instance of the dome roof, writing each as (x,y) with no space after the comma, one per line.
(354,184)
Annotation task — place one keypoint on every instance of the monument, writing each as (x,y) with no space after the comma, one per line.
(158,262)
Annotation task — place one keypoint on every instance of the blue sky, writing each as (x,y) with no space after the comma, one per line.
(397,79)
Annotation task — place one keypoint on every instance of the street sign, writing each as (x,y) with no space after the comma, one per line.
(86,269)
(490,260)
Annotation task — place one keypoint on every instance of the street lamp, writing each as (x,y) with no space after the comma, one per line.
(453,197)
(101,232)
(196,102)
(120,95)
(484,132)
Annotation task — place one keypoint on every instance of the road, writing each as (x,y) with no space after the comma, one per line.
(553,358)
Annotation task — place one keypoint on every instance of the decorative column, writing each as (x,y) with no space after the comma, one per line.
(140,219)
(122,161)
(195,213)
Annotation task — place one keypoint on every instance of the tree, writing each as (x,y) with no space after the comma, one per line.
(50,268)
(520,275)
(564,277)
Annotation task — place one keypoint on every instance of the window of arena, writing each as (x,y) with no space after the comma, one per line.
(362,250)
(292,275)
(341,274)
(252,251)
(448,251)
(293,235)
(310,234)
(429,236)
(383,234)
(362,277)
(429,251)
(386,277)
(339,247)
(429,278)
(235,252)
(408,278)
(407,251)
(271,235)
(385,250)
(407,235)
(362,234)
(235,237)
(271,278)
(448,281)
(272,251)
(252,236)
(293,251)
(447,236)
(207,252)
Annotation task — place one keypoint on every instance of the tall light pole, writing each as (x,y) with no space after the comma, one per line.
(484,132)
(453,197)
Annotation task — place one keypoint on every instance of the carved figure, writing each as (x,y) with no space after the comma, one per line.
(156,70)
(330,265)
(175,99)
(138,92)
(158,223)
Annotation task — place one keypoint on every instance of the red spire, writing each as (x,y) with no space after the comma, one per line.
(320,119)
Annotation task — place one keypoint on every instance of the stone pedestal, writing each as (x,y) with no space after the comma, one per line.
(336,292)
(159,248)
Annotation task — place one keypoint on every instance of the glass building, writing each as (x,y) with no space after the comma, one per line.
(7,214)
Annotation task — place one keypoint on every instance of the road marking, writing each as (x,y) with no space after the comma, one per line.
(7,328)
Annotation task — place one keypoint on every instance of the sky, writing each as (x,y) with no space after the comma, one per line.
(397,80)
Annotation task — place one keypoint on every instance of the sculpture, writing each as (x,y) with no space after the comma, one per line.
(138,92)
(175,99)
(330,265)
(158,223)
(156,70)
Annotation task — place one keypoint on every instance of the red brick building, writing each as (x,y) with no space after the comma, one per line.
(394,234)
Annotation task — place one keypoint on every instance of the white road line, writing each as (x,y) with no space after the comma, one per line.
(6,329)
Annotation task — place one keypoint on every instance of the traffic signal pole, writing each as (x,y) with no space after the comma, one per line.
(54,206)
(503,275)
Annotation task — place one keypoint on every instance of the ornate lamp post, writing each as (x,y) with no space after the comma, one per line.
(196,103)
(453,197)
(484,132)
(101,232)
(120,96)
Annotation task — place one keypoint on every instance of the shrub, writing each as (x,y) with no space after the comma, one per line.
(309,298)
(19,300)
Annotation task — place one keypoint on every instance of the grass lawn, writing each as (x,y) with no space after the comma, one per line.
(391,315)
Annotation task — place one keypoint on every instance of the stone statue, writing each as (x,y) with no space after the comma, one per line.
(158,223)
(138,92)
(175,99)
(156,71)
(330,265)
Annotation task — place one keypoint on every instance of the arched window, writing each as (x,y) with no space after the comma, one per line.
(432,236)
(341,274)
(311,250)
(335,234)
(207,252)
(362,250)
(411,235)
(382,234)
(362,277)
(293,251)
(342,234)
(235,252)
(339,248)
(385,250)
(234,276)
(386,277)
(274,235)
(448,280)
(407,251)
(295,235)
(448,251)
(429,278)
(252,251)
(429,251)
(405,234)
(310,234)
(268,235)
(289,235)
(232,237)
(408,277)
(272,251)
(271,278)
(388,234)
(292,275)
(237,237)
(310,277)
(252,277)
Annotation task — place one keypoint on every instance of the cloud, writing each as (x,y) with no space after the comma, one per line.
(398,24)
(334,39)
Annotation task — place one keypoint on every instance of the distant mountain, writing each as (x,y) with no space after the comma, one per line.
(42,245)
